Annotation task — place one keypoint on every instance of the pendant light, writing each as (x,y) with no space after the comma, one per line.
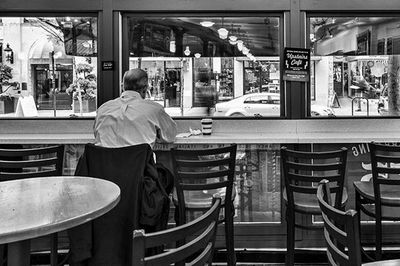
(187,51)
(239,45)
(207,24)
(222,32)
(232,38)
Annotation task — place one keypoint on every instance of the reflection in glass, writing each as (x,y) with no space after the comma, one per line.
(257,182)
(54,64)
(211,69)
(355,62)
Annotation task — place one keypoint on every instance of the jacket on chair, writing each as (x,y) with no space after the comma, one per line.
(107,240)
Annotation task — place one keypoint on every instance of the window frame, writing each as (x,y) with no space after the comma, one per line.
(313,14)
(280,15)
(90,13)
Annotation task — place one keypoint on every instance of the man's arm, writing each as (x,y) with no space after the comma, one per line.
(166,132)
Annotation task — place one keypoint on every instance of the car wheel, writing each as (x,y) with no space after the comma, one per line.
(237,115)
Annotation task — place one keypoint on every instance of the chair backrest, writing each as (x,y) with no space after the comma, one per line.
(204,169)
(302,169)
(32,162)
(385,164)
(341,230)
(199,250)
(110,239)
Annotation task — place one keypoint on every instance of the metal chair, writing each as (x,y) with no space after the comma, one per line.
(199,175)
(380,198)
(199,250)
(301,170)
(31,163)
(342,232)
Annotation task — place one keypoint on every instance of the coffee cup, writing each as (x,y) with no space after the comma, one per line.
(206,126)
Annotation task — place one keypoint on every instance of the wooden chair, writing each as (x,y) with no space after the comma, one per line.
(30,163)
(380,198)
(199,250)
(342,232)
(301,170)
(199,175)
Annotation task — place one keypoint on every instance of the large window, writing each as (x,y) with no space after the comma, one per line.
(355,62)
(201,66)
(48,66)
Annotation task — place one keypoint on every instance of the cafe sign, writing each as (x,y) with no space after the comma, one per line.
(296,64)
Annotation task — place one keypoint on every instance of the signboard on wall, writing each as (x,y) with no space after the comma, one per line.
(296,64)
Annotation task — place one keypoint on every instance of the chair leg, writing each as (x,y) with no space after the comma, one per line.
(378,237)
(54,250)
(229,237)
(290,231)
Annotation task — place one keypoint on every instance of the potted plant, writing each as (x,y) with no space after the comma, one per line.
(84,89)
(7,99)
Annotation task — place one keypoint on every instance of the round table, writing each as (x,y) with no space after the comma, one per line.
(34,207)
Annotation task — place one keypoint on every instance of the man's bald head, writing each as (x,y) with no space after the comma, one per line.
(135,80)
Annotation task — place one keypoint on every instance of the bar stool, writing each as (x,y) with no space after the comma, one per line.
(342,231)
(301,170)
(380,198)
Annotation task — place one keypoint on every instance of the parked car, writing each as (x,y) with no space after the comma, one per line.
(261,104)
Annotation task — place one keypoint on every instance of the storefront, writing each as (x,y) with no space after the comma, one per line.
(194,72)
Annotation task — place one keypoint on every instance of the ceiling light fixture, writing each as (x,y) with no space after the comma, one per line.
(233,38)
(207,24)
(240,45)
(187,51)
(172,46)
(223,33)
(197,55)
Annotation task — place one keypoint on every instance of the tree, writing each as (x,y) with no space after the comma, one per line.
(5,73)
(85,85)
(394,85)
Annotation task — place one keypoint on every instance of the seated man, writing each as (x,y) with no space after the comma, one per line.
(130,119)
(130,125)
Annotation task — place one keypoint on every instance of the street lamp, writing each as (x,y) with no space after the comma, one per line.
(9,54)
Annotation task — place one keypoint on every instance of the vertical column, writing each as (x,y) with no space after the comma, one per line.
(107,87)
(295,91)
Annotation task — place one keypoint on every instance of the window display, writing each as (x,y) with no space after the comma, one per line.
(217,59)
(352,60)
(51,59)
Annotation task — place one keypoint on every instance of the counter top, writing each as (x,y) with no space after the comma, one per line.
(245,138)
(224,131)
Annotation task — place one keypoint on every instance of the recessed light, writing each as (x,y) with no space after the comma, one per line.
(207,24)
(223,33)
(240,45)
(187,51)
